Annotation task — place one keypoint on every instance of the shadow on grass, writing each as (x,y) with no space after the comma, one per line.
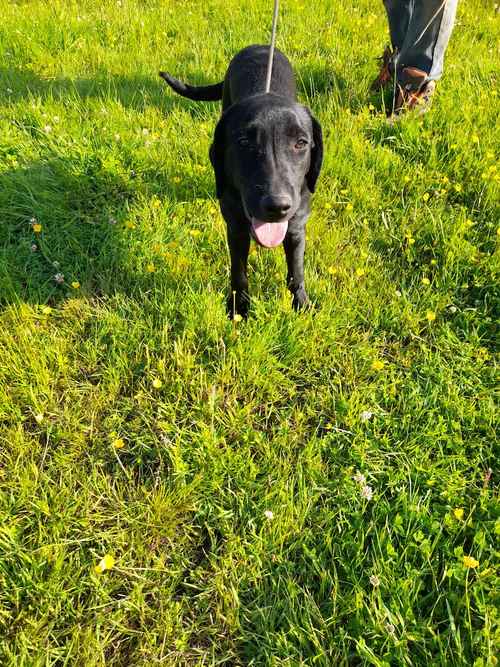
(134,92)
(83,210)
(315,80)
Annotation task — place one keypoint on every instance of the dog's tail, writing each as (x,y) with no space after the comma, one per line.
(198,93)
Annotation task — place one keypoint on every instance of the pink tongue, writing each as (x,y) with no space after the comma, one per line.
(269,234)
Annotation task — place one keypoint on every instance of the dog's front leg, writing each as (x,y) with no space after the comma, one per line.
(238,238)
(294,244)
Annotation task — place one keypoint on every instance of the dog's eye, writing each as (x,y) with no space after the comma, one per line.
(243,141)
(300,144)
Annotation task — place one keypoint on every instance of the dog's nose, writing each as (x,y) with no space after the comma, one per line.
(277,205)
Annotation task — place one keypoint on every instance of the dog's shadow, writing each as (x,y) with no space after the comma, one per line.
(72,217)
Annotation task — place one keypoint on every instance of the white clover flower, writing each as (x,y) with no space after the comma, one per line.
(374,581)
(269,515)
(366,415)
(59,278)
(359,478)
(367,492)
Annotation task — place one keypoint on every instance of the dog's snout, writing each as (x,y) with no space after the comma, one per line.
(277,205)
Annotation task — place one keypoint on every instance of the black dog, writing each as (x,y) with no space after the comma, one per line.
(266,155)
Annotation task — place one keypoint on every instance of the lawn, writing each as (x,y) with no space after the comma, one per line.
(294,489)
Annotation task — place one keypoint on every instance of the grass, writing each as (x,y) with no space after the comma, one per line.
(136,421)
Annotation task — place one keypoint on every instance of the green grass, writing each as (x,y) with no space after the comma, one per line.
(259,416)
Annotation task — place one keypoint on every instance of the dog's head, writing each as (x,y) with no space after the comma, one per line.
(267,149)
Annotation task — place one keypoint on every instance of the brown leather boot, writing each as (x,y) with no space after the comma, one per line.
(414,91)
(385,74)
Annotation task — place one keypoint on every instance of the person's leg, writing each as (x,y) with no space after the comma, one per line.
(427,36)
(398,15)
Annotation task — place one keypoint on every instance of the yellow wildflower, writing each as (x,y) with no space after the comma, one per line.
(37,227)
(130,225)
(75,284)
(377,364)
(237,318)
(194,232)
(430,316)
(150,268)
(118,443)
(458,513)
(39,418)
(426,281)
(46,310)
(360,272)
(349,207)
(426,196)
(176,179)
(104,564)
(469,561)
(157,383)
(332,270)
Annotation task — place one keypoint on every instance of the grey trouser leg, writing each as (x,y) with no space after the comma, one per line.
(421,29)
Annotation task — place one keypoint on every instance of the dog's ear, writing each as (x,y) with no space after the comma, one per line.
(216,154)
(316,155)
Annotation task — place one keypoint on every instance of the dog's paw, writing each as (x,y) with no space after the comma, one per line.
(300,299)
(238,304)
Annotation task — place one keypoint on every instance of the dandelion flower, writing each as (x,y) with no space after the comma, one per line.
(130,225)
(367,492)
(157,383)
(104,564)
(150,268)
(237,318)
(407,179)
(374,581)
(430,316)
(37,227)
(349,207)
(469,561)
(377,364)
(426,281)
(332,270)
(118,443)
(360,272)
(426,196)
(194,233)
(75,284)
(458,513)
(269,515)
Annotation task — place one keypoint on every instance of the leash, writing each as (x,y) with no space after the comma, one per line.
(271,49)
